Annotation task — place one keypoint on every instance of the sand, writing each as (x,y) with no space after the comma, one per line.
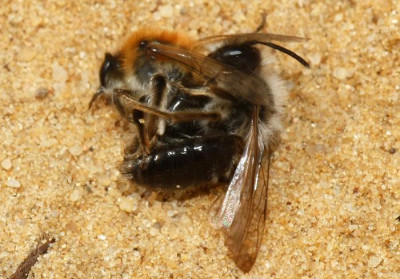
(334,195)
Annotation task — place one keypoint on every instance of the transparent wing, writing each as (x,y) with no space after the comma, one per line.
(224,80)
(250,37)
(242,212)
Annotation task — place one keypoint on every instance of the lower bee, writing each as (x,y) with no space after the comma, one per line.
(205,114)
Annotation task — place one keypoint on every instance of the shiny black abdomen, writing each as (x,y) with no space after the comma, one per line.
(198,162)
(243,57)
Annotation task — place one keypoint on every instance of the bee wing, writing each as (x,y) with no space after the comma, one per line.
(242,212)
(225,80)
(243,38)
(255,38)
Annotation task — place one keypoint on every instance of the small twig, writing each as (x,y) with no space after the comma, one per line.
(24,268)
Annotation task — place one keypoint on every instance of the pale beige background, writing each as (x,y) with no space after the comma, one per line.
(334,192)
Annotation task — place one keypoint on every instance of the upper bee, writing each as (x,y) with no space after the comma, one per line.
(226,62)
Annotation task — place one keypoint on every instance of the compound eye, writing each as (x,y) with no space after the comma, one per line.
(105,68)
(110,64)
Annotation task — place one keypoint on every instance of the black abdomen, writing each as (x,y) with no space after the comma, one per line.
(203,161)
(243,57)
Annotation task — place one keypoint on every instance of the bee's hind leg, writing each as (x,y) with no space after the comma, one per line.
(176,116)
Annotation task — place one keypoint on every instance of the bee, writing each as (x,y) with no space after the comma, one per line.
(206,113)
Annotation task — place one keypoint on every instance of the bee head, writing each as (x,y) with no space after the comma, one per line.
(110,70)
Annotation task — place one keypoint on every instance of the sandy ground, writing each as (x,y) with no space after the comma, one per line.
(334,197)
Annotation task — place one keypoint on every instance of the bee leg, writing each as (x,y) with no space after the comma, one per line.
(96,95)
(194,91)
(159,86)
(263,22)
(131,151)
(186,116)
(145,123)
(138,120)
(178,116)
(120,107)
(158,100)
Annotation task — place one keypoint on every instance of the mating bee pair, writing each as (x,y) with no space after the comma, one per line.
(205,114)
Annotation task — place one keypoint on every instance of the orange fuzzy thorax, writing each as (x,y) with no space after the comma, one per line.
(130,47)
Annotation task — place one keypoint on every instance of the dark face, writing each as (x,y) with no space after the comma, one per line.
(110,69)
